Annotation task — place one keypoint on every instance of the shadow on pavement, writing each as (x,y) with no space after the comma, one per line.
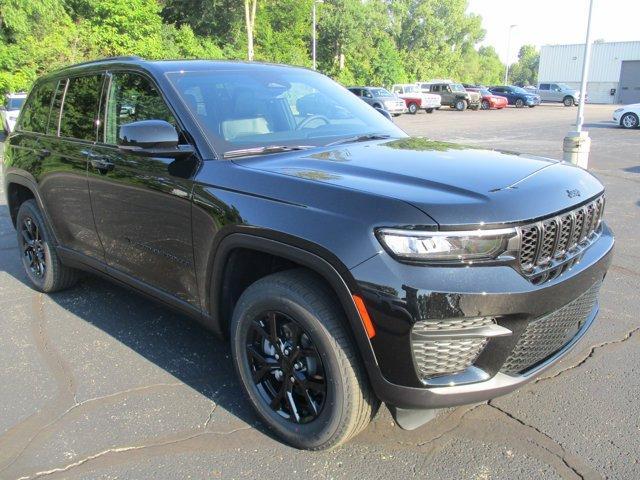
(173,342)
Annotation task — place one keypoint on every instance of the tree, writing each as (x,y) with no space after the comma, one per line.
(525,71)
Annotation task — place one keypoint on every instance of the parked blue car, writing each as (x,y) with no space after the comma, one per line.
(516,96)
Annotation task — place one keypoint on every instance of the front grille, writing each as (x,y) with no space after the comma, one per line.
(547,246)
(435,356)
(546,335)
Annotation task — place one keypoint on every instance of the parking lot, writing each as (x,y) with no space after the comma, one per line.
(98,382)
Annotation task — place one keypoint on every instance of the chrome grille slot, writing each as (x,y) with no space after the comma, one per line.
(566,223)
(546,335)
(547,247)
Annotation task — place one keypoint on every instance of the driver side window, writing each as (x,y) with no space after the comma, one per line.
(132,98)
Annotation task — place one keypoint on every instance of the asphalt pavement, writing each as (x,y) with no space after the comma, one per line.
(100,383)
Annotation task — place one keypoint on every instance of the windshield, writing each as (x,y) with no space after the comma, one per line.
(410,89)
(520,90)
(381,92)
(15,103)
(456,87)
(564,86)
(484,91)
(245,108)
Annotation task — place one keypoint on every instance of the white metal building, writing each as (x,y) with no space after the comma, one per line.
(614,73)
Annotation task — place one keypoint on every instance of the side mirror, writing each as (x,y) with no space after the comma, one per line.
(152,138)
(384,113)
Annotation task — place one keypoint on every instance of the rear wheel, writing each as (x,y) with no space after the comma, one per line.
(519,103)
(629,120)
(429,110)
(461,105)
(485,105)
(568,101)
(39,257)
(413,108)
(297,363)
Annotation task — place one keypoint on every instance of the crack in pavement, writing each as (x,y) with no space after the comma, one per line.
(60,417)
(119,450)
(434,440)
(562,456)
(592,351)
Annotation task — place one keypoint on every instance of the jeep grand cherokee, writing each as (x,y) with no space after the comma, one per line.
(348,263)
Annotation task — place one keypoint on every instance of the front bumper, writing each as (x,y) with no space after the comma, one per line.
(617,116)
(533,101)
(396,109)
(397,295)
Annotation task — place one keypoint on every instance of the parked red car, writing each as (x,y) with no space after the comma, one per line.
(489,100)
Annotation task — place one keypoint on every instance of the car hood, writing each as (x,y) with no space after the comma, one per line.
(453,184)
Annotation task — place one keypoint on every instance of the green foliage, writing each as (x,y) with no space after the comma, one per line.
(374,42)
(525,71)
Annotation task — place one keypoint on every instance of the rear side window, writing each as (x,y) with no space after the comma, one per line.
(80,108)
(544,86)
(35,115)
(132,98)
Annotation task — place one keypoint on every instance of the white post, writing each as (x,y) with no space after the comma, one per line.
(577,144)
(506,72)
(313,34)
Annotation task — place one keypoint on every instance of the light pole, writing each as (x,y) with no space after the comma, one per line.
(506,72)
(313,31)
(577,144)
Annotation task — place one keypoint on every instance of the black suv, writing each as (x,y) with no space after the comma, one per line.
(348,263)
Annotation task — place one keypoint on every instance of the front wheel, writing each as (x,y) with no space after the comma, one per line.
(461,105)
(297,363)
(413,108)
(39,257)
(629,120)
(485,105)
(568,101)
(519,103)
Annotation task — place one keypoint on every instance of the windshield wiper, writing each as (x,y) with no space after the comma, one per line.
(246,152)
(360,138)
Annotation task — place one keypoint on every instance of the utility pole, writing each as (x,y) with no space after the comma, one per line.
(577,144)
(506,72)
(313,32)
(250,20)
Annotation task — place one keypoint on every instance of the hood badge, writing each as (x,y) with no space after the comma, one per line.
(573,193)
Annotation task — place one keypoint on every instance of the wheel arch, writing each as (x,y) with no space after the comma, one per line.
(19,189)
(297,252)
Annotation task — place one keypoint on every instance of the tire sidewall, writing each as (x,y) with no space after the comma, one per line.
(413,108)
(568,102)
(323,428)
(29,210)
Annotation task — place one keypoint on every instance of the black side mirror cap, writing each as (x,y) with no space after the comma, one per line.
(384,113)
(152,138)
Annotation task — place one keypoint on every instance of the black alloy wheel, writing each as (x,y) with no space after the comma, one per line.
(33,248)
(286,367)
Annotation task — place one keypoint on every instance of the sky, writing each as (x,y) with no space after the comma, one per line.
(553,22)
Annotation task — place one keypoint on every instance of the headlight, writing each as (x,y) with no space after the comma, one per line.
(618,110)
(463,246)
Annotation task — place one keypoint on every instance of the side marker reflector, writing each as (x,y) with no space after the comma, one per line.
(364,315)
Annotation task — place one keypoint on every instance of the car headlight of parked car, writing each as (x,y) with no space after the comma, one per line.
(618,110)
(460,246)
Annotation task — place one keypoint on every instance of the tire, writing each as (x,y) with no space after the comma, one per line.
(568,101)
(377,105)
(460,105)
(531,106)
(429,110)
(485,105)
(300,298)
(629,120)
(519,103)
(474,108)
(40,260)
(413,108)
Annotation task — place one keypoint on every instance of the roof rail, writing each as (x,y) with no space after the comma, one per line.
(107,59)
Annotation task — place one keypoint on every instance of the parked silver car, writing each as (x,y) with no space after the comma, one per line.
(559,93)
(379,97)
(10,110)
